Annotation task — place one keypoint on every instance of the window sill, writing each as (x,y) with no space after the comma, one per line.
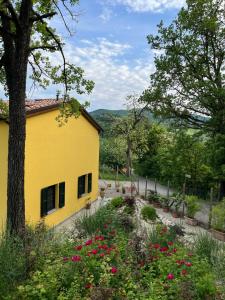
(51,211)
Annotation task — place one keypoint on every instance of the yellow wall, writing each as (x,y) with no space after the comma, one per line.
(58,154)
(3,172)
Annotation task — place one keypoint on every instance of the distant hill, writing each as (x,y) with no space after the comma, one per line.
(118,113)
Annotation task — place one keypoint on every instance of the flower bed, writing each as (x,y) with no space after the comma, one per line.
(113,261)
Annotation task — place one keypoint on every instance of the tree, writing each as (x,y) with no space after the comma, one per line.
(25,33)
(188,85)
(189,81)
(131,127)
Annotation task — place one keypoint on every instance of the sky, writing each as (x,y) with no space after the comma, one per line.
(110,44)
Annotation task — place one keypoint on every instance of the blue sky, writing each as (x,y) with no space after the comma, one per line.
(110,45)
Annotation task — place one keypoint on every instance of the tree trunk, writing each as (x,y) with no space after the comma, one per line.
(129,160)
(16,75)
(222,190)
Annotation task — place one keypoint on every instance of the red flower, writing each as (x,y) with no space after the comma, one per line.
(76,258)
(156,246)
(99,238)
(105,247)
(170,243)
(190,254)
(184,272)
(174,250)
(163,249)
(180,262)
(89,242)
(170,276)
(88,286)
(78,248)
(105,226)
(188,264)
(114,270)
(102,255)
(94,251)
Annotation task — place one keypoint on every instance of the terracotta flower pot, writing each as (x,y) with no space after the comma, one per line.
(191,221)
(219,235)
(175,214)
(166,209)
(157,205)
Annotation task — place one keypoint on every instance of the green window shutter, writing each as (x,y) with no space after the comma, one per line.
(44,203)
(61,194)
(89,182)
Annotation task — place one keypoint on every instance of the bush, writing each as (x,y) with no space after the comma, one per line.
(218,216)
(117,202)
(192,205)
(149,213)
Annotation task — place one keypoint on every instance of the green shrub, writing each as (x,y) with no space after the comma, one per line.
(149,213)
(117,202)
(192,205)
(218,216)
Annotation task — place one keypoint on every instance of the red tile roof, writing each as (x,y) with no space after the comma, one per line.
(38,106)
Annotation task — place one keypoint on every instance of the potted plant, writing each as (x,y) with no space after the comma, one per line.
(102,192)
(218,221)
(192,207)
(165,204)
(155,200)
(176,203)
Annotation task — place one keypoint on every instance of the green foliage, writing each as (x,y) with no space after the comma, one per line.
(192,205)
(218,216)
(117,202)
(4,110)
(189,75)
(149,213)
(112,152)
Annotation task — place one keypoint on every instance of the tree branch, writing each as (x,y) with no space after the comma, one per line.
(42,17)
(43,47)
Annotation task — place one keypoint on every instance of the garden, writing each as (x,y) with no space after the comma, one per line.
(122,251)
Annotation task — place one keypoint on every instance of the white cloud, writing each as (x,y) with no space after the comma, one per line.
(104,63)
(147,5)
(114,80)
(106,14)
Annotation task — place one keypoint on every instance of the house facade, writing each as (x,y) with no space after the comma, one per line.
(61,164)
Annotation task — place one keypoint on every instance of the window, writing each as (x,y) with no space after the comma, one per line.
(61,194)
(89,182)
(47,199)
(52,197)
(84,184)
(81,185)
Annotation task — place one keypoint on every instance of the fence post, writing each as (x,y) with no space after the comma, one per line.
(155,186)
(210,207)
(146,186)
(168,189)
(138,186)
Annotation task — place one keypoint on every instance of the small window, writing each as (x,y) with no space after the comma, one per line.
(81,186)
(61,194)
(89,182)
(47,199)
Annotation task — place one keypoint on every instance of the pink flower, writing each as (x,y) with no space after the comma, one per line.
(65,258)
(94,251)
(114,270)
(89,242)
(188,264)
(163,249)
(170,276)
(76,258)
(78,248)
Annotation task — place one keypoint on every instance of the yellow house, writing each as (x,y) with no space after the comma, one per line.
(61,163)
